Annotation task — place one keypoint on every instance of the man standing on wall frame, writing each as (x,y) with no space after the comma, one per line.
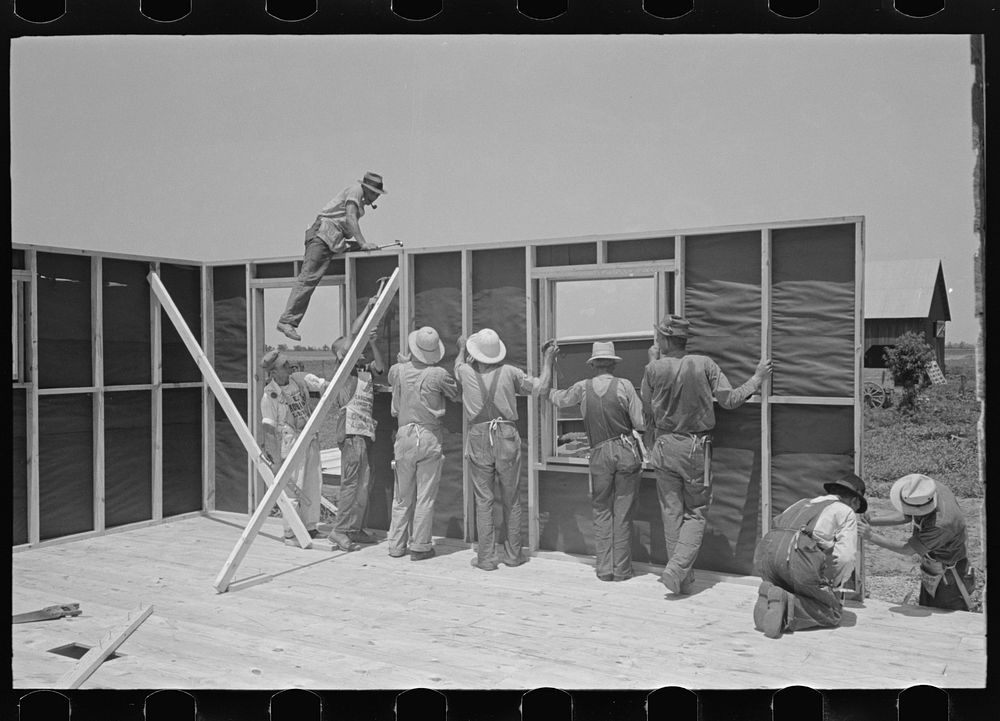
(678,393)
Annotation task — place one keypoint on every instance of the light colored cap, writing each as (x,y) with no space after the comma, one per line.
(486,346)
(603,350)
(426,345)
(674,325)
(914,495)
(274,359)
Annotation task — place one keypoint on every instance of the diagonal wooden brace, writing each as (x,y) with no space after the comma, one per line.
(242,431)
(225,576)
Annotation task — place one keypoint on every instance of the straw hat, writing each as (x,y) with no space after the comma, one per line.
(914,495)
(426,345)
(674,325)
(603,351)
(852,484)
(486,346)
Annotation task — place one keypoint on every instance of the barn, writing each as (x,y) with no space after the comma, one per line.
(901,296)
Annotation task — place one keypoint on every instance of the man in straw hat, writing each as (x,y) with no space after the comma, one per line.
(612,418)
(937,535)
(284,410)
(335,232)
(807,555)
(678,392)
(354,432)
(493,445)
(419,389)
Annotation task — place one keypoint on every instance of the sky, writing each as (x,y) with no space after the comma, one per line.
(211,148)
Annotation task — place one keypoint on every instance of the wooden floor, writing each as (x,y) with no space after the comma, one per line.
(332,620)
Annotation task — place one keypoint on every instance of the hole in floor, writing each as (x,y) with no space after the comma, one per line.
(78,650)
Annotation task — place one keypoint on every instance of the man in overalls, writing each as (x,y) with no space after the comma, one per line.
(354,432)
(612,418)
(493,443)
(678,391)
(937,536)
(285,410)
(419,389)
(806,557)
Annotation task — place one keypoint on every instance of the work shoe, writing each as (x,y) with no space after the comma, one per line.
(398,553)
(773,622)
(760,608)
(422,555)
(625,577)
(606,576)
(313,533)
(291,541)
(484,565)
(362,537)
(681,588)
(342,542)
(513,562)
(289,331)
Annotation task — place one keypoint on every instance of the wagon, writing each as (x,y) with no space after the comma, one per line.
(877,388)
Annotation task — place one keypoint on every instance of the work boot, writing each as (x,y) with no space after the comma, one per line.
(624,576)
(422,555)
(289,331)
(773,623)
(760,608)
(313,533)
(342,542)
(362,537)
(606,576)
(397,553)
(291,541)
(679,587)
(484,565)
(512,561)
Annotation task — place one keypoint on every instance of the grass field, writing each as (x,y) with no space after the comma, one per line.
(938,440)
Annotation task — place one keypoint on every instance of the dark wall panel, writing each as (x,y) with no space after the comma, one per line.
(623,251)
(568,254)
(128,457)
(231,476)
(437,298)
(182,454)
(65,465)
(17,259)
(380,455)
(449,510)
(812,310)
(499,299)
(19,474)
(65,330)
(126,322)
(810,445)
(368,271)
(275,270)
(229,300)
(184,285)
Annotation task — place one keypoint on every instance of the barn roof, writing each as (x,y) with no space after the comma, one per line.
(904,288)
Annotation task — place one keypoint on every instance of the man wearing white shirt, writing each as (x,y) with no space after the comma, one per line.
(808,553)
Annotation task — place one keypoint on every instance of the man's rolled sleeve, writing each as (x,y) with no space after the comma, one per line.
(566,396)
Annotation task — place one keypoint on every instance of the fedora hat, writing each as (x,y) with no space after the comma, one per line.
(914,495)
(603,350)
(851,483)
(274,359)
(426,345)
(673,325)
(373,181)
(486,346)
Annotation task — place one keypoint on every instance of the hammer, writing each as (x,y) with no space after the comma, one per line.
(389,245)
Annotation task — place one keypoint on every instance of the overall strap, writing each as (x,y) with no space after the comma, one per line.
(489,410)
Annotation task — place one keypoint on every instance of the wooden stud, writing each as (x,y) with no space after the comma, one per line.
(156,373)
(602,252)
(468,497)
(640,269)
(232,413)
(97,360)
(34,528)
(765,390)
(812,400)
(93,659)
(680,278)
(859,361)
(326,280)
(207,406)
(302,442)
(534,402)
(256,379)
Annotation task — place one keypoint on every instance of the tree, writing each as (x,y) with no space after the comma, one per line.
(908,360)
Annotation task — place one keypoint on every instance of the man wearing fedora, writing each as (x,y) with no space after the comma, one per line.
(284,410)
(493,445)
(334,232)
(419,390)
(806,556)
(937,535)
(679,390)
(613,421)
